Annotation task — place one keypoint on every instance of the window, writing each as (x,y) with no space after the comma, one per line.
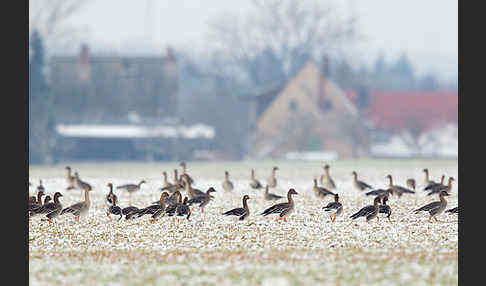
(325,105)
(293,105)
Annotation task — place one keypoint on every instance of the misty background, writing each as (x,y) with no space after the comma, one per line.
(189,80)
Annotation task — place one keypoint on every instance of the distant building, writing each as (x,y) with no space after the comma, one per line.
(100,88)
(396,111)
(132,141)
(307,113)
(417,121)
(120,107)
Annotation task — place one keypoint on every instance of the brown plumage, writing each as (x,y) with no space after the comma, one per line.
(435,208)
(283,209)
(269,196)
(254,183)
(370,211)
(326,179)
(227,184)
(272,180)
(321,192)
(202,200)
(360,185)
(191,192)
(243,212)
(81,208)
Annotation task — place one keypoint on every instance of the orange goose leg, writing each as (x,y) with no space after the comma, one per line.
(285,219)
(430,218)
(109,217)
(436,219)
(378,218)
(76,218)
(334,217)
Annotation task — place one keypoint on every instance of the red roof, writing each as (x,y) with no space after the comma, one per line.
(398,110)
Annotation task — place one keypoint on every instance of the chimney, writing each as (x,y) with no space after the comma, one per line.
(325,65)
(323,78)
(84,55)
(84,70)
(170,54)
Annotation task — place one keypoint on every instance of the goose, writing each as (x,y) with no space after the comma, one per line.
(161,211)
(113,209)
(202,200)
(111,197)
(227,184)
(168,186)
(360,185)
(254,183)
(152,209)
(51,209)
(435,208)
(399,190)
(438,189)
(453,210)
(81,208)
(321,192)
(80,184)
(243,212)
(284,209)
(46,207)
(411,183)
(40,187)
(433,185)
(326,179)
(171,207)
(171,199)
(171,188)
(183,209)
(385,209)
(370,211)
(69,179)
(35,204)
(183,165)
(191,192)
(336,207)
(380,192)
(272,180)
(269,196)
(35,207)
(427,182)
(131,188)
(129,212)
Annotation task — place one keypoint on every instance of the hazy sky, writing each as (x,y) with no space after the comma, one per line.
(425,30)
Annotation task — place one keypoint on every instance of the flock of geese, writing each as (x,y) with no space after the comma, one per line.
(172,204)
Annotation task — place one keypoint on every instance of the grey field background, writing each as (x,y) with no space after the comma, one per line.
(214,250)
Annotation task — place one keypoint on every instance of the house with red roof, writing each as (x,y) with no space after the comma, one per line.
(416,114)
(396,111)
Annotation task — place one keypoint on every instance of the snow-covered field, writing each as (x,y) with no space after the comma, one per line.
(212,249)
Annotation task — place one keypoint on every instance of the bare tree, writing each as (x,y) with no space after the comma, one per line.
(293,31)
(50,19)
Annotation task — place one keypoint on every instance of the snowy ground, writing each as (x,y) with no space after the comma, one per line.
(214,250)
